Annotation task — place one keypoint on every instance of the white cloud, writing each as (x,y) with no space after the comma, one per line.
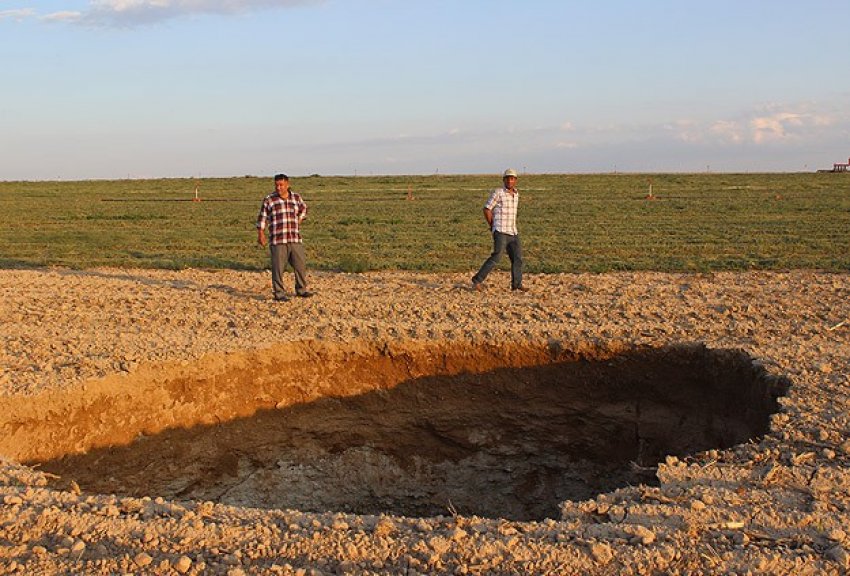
(774,127)
(66,16)
(727,131)
(767,125)
(17,13)
(131,13)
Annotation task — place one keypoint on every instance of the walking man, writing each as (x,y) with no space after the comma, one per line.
(282,212)
(500,212)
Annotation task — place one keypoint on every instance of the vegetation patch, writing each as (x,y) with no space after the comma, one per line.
(569,223)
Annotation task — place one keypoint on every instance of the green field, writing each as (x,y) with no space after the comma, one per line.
(569,223)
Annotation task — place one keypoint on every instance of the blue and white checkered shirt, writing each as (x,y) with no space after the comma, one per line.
(504,204)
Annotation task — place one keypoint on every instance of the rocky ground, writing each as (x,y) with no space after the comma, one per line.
(775,505)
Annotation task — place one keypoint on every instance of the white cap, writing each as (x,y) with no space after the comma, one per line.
(509,172)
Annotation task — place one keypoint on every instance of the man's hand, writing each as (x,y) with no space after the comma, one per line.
(261,237)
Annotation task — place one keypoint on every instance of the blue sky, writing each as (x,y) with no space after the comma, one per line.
(161,88)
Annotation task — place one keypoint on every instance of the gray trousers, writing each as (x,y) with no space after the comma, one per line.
(292,254)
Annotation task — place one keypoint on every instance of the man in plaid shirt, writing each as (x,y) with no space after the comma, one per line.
(500,213)
(282,212)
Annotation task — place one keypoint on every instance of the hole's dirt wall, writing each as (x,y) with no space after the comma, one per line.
(413,429)
(219,388)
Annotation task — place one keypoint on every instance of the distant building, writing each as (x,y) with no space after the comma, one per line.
(839,167)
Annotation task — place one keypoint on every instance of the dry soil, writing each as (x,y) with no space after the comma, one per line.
(158,422)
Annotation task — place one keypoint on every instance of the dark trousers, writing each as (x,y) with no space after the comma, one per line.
(503,243)
(292,254)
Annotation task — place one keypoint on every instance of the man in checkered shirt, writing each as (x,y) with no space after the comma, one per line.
(500,213)
(282,212)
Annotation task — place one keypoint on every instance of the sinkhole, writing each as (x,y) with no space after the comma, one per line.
(410,429)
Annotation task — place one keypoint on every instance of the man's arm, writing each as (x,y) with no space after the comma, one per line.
(488,216)
(488,207)
(302,209)
(261,225)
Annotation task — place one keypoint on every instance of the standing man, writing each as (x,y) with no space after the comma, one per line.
(500,213)
(282,212)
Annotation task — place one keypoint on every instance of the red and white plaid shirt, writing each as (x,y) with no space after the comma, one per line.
(504,203)
(282,216)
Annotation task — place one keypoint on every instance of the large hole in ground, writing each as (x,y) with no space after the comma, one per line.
(491,432)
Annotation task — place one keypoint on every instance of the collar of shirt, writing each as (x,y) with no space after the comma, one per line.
(291,197)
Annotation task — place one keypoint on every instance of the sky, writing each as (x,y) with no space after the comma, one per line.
(95,89)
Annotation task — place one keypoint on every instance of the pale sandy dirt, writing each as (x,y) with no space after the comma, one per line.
(92,360)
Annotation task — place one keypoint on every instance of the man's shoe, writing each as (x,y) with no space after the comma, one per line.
(281,299)
(477,286)
(306,294)
(520,289)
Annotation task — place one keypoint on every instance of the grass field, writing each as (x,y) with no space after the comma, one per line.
(569,223)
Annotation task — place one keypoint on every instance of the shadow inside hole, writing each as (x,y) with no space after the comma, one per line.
(509,443)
